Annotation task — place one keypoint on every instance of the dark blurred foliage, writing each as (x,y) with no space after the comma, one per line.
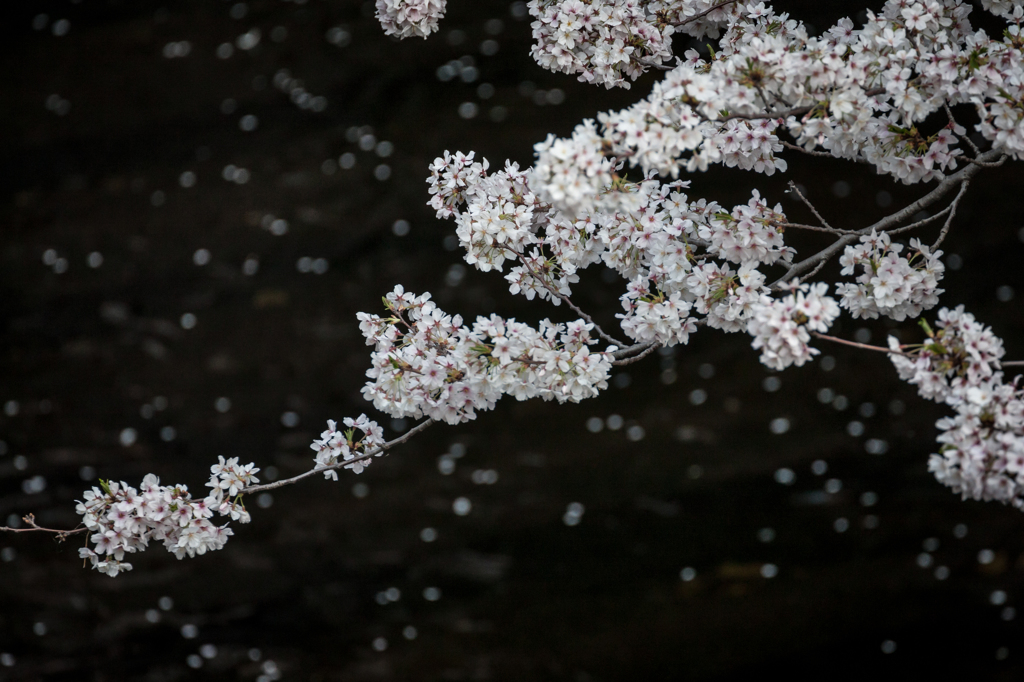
(99,127)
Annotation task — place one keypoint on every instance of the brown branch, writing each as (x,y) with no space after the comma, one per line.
(887,223)
(813,228)
(952,121)
(1012,363)
(862,346)
(985,164)
(30,519)
(813,272)
(564,298)
(625,353)
(952,213)
(920,223)
(340,465)
(809,152)
(636,358)
(807,202)
(61,534)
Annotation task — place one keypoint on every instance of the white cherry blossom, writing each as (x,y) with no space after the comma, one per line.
(405,18)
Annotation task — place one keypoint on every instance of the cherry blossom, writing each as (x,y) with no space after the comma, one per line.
(890,284)
(982,444)
(121,520)
(405,18)
(781,328)
(337,446)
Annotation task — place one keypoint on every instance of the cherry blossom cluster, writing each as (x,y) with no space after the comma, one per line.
(1011,10)
(747,145)
(982,444)
(860,94)
(337,446)
(657,233)
(982,452)
(603,41)
(857,93)
(697,18)
(655,316)
(749,234)
(427,364)
(121,520)
(890,284)
(781,328)
(406,18)
(959,355)
(728,298)
(664,245)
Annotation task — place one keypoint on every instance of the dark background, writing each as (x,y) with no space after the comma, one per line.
(91,356)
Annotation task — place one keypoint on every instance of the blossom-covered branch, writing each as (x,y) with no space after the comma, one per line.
(611,195)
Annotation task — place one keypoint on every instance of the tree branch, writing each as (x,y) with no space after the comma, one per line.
(793,188)
(985,164)
(920,223)
(701,15)
(943,188)
(813,272)
(862,346)
(952,121)
(816,228)
(30,519)
(626,353)
(952,213)
(653,65)
(340,465)
(565,299)
(809,152)
(636,358)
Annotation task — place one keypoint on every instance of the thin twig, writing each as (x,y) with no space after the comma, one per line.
(802,150)
(968,140)
(807,202)
(340,465)
(813,272)
(764,98)
(565,299)
(862,346)
(30,519)
(920,223)
(820,154)
(888,222)
(1012,363)
(970,143)
(952,213)
(814,228)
